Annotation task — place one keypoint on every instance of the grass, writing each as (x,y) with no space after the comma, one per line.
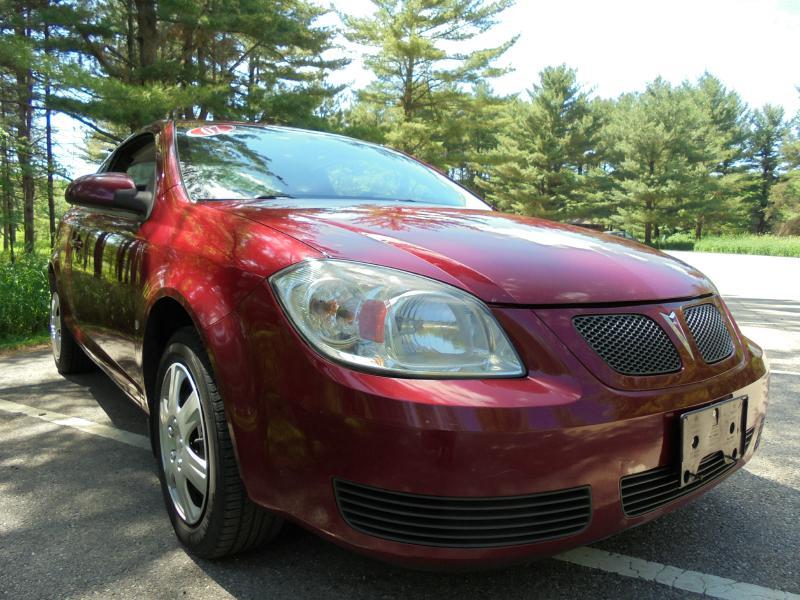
(765,245)
(677,241)
(24,301)
(17,342)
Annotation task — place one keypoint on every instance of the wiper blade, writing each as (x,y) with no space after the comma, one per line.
(263,197)
(273,196)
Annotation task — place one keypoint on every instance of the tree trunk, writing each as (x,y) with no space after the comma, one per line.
(5,181)
(698,229)
(51,205)
(130,37)
(24,146)
(9,227)
(202,112)
(187,77)
(649,204)
(147,36)
(252,82)
(763,202)
(6,212)
(408,92)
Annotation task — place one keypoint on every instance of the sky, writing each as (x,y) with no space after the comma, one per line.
(618,46)
(752,46)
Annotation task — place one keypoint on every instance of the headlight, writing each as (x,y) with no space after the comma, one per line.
(394,322)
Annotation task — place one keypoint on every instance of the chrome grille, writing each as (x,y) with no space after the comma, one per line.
(710,334)
(631,344)
(463,522)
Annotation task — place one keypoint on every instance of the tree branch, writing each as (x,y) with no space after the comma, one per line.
(91,125)
(242,58)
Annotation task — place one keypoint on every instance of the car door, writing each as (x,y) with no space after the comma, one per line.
(106,264)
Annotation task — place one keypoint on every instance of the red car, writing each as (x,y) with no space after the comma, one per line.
(330,332)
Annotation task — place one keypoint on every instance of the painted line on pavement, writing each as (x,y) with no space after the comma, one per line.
(679,579)
(775,371)
(610,562)
(106,431)
(760,323)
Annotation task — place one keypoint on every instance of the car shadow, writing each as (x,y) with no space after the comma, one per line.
(70,394)
(121,410)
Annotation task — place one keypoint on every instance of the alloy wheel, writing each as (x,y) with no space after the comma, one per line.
(183,442)
(55,325)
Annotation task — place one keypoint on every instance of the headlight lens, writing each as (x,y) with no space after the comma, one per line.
(394,322)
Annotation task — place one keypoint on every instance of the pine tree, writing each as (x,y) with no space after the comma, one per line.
(655,150)
(7,173)
(720,138)
(471,134)
(547,147)
(136,62)
(21,27)
(420,77)
(785,194)
(767,130)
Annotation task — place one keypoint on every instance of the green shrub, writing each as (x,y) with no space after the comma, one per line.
(768,245)
(24,297)
(676,241)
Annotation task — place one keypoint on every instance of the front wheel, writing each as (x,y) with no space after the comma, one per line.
(67,354)
(204,495)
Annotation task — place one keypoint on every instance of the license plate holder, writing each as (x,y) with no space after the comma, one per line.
(704,431)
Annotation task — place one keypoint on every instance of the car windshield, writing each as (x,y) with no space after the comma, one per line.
(222,162)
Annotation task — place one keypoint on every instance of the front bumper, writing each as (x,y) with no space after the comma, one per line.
(302,423)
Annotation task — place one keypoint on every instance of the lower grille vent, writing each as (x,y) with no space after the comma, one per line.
(463,522)
(652,489)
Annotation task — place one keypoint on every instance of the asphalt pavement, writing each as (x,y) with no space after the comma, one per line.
(81,513)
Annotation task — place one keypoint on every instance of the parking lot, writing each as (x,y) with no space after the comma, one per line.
(81,513)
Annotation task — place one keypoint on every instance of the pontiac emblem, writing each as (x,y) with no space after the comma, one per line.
(672,320)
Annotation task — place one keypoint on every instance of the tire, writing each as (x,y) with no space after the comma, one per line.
(67,354)
(193,450)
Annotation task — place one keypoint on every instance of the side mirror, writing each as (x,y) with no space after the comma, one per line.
(108,190)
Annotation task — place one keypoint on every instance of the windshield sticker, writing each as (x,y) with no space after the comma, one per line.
(209,130)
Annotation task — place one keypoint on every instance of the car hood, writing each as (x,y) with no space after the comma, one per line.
(499,258)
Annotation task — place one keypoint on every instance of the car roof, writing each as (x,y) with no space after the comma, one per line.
(263,125)
(160,124)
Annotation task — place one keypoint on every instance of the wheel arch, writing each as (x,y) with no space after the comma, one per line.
(169,313)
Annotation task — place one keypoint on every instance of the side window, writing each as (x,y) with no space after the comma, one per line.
(138,159)
(143,168)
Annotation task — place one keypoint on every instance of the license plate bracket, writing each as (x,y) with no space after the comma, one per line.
(715,428)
